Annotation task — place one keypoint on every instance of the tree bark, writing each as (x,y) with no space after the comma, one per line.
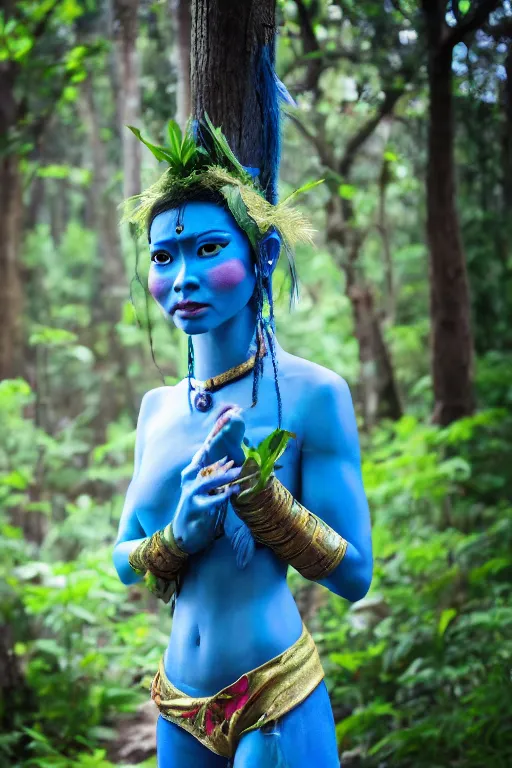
(111,287)
(452,341)
(507,131)
(126,19)
(181,10)
(36,204)
(382,226)
(378,390)
(10,285)
(10,226)
(227,46)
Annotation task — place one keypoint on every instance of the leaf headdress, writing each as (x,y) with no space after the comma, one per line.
(202,161)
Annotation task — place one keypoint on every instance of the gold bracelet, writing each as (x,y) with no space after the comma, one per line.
(293,533)
(160,588)
(159,554)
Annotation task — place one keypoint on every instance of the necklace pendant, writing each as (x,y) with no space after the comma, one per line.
(203,401)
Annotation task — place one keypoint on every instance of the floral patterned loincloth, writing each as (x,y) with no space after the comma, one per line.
(255,699)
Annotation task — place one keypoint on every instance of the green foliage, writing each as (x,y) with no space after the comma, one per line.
(185,157)
(424,674)
(43,64)
(81,645)
(266,455)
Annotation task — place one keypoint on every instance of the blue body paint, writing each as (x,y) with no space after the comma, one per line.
(230,620)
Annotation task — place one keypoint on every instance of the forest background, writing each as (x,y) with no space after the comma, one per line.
(405,109)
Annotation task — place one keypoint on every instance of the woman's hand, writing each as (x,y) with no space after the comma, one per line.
(227,436)
(202,494)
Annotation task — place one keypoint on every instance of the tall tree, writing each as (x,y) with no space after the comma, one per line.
(10,227)
(28,102)
(126,27)
(452,339)
(378,391)
(229,51)
(181,10)
(110,274)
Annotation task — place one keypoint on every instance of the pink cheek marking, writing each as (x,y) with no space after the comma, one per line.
(227,275)
(158,287)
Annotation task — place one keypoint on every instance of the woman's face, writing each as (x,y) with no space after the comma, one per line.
(202,270)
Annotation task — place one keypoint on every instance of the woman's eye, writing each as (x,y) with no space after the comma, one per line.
(161,257)
(211,249)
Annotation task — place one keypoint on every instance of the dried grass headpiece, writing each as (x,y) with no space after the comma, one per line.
(202,160)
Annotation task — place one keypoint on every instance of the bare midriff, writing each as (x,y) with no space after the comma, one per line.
(229,621)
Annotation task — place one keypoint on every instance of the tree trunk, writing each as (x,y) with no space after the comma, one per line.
(507,132)
(111,287)
(10,225)
(378,391)
(32,214)
(58,210)
(10,285)
(228,46)
(125,13)
(382,226)
(181,11)
(16,699)
(452,342)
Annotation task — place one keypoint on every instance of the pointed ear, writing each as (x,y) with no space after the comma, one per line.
(270,248)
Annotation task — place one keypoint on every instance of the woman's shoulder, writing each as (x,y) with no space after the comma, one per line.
(312,376)
(155,399)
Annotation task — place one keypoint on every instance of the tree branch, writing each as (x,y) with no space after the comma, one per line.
(37,33)
(40,27)
(454,5)
(323,149)
(310,46)
(501,31)
(325,59)
(366,130)
(471,23)
(397,5)
(308,34)
(325,154)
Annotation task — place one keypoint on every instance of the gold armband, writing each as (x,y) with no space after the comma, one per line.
(296,535)
(160,555)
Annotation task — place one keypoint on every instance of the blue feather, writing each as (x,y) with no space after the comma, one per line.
(267,93)
(283,93)
(243,545)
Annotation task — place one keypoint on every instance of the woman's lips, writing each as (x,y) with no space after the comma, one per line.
(190,310)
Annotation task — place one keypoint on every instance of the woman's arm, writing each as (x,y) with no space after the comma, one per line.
(131,533)
(162,555)
(332,486)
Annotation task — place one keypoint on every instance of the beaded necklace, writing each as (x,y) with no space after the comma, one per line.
(203,400)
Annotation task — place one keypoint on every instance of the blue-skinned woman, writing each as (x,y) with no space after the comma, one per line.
(240,683)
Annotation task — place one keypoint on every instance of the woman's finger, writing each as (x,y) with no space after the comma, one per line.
(221,422)
(216,467)
(212,503)
(219,479)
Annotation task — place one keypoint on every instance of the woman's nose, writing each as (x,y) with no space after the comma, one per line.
(185,281)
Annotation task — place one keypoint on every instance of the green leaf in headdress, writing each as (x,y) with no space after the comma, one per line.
(175,138)
(301,190)
(222,149)
(236,205)
(161,153)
